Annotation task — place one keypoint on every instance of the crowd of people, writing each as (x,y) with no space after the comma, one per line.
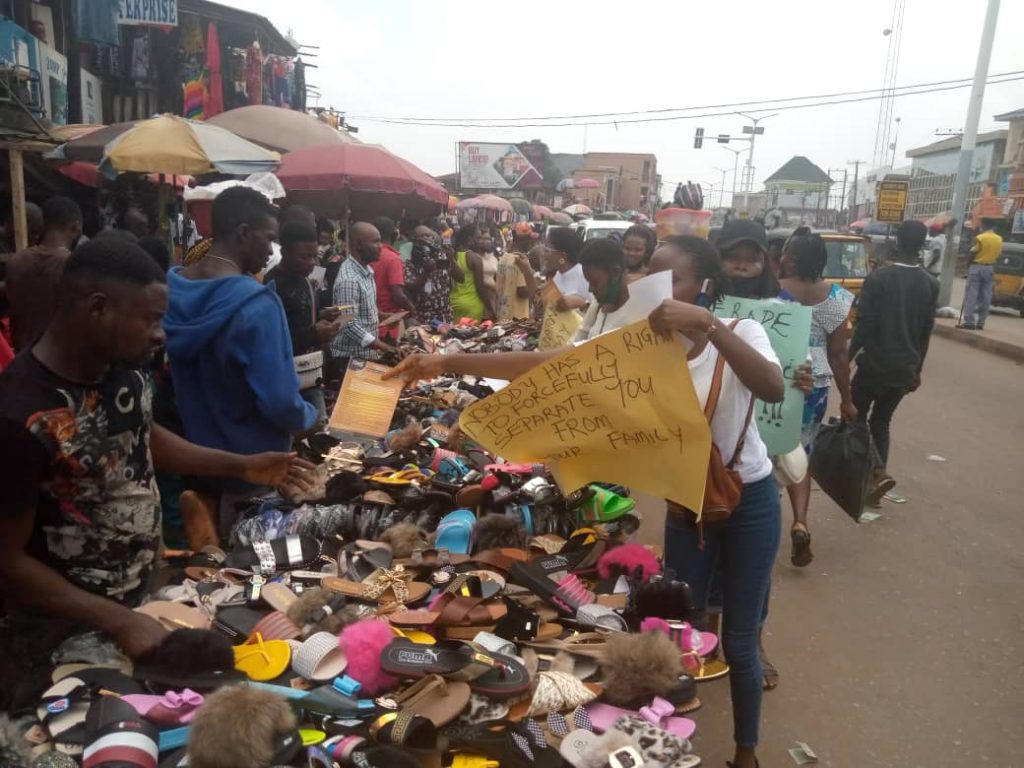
(128,369)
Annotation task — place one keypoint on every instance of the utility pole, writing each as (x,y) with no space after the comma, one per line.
(856,185)
(970,139)
(721,188)
(895,141)
(748,176)
(842,198)
(735,172)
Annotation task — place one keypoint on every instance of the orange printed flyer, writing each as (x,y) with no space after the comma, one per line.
(367,402)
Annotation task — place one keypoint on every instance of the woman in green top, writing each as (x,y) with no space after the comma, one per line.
(470,297)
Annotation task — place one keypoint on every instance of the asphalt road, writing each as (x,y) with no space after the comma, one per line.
(901,644)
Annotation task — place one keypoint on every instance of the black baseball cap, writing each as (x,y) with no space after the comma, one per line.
(738,231)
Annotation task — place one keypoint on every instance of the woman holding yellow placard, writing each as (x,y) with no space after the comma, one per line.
(748,539)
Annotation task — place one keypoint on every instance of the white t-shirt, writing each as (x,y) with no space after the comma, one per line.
(733,403)
(596,323)
(573,283)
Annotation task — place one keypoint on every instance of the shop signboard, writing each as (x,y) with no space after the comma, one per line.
(53,74)
(1018,222)
(891,206)
(149,13)
(492,166)
(92,98)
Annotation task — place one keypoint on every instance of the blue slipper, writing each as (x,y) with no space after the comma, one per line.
(455,531)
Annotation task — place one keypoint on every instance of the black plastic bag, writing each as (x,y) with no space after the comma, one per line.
(843,463)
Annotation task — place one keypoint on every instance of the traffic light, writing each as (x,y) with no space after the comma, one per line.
(698,138)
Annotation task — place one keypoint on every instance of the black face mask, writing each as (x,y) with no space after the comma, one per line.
(747,287)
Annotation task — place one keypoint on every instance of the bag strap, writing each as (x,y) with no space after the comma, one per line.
(716,382)
(743,434)
(715,393)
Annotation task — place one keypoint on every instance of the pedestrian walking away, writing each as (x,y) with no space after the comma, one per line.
(895,316)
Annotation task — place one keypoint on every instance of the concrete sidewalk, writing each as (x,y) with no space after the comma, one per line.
(1003,334)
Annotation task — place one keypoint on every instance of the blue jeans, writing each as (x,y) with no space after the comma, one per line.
(978,294)
(746,543)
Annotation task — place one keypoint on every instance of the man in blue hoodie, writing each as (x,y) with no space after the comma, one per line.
(228,342)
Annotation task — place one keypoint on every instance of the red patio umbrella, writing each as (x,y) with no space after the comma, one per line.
(363,179)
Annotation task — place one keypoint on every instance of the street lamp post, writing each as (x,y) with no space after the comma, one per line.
(735,172)
(749,175)
(721,188)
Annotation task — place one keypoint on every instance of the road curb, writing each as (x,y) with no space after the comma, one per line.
(979,340)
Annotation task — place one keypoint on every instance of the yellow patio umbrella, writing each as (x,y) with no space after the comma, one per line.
(172,145)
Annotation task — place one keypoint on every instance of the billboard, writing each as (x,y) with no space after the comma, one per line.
(494,166)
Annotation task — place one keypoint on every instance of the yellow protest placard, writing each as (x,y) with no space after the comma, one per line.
(557,328)
(619,409)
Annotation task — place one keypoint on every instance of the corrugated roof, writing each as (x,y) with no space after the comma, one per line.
(953,142)
(1017,114)
(799,168)
(273,41)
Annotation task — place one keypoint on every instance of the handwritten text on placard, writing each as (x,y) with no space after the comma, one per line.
(789,329)
(618,409)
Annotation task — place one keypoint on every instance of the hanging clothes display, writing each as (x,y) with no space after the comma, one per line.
(214,102)
(193,67)
(140,57)
(299,86)
(280,69)
(254,73)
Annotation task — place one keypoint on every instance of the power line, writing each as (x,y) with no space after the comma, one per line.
(886,91)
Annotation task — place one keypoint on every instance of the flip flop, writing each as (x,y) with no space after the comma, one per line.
(276,626)
(500,559)
(660,713)
(714,669)
(170,710)
(383,586)
(319,658)
(404,729)
(429,559)
(508,743)
(453,611)
(434,698)
(62,711)
(278,596)
(262,660)
(590,645)
(565,595)
(491,674)
(175,615)
(455,531)
(286,553)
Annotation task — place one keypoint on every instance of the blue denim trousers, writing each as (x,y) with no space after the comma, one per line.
(746,544)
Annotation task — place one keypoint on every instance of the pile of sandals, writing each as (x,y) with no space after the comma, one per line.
(431,606)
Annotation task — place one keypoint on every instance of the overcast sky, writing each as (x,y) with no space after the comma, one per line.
(460,59)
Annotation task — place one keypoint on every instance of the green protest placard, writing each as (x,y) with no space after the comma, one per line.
(789,330)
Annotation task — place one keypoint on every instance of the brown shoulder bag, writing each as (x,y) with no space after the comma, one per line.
(724,487)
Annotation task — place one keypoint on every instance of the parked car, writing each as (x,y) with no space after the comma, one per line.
(592,229)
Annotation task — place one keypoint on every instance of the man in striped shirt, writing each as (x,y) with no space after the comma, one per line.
(355,286)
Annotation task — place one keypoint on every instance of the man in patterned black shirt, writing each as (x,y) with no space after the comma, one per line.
(79,512)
